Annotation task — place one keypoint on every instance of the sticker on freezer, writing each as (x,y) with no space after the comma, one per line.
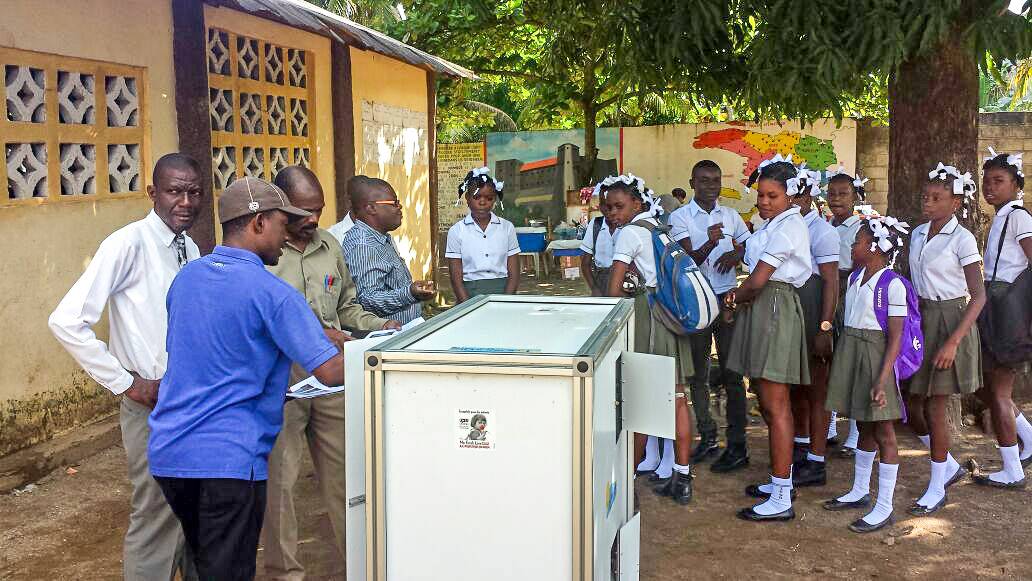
(475,429)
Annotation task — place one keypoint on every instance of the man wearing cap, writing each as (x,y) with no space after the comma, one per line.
(233,330)
(385,285)
(129,276)
(313,264)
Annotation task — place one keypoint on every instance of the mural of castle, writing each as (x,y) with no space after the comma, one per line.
(541,185)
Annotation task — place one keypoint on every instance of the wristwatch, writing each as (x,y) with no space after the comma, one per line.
(826,326)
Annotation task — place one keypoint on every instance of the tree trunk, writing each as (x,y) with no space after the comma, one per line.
(590,143)
(933,117)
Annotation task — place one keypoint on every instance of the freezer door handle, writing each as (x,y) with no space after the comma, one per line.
(647,393)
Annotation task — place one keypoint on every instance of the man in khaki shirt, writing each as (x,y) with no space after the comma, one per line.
(313,263)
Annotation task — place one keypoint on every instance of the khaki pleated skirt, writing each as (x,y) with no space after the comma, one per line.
(485,286)
(858,360)
(650,336)
(938,321)
(810,298)
(769,341)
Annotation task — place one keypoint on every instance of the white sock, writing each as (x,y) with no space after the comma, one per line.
(666,465)
(686,469)
(936,485)
(832,427)
(1025,434)
(802,439)
(886,486)
(651,461)
(951,463)
(1012,470)
(853,437)
(780,497)
(863,462)
(814,457)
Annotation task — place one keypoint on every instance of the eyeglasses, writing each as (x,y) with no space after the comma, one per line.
(395,203)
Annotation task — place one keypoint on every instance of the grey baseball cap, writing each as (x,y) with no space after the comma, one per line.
(252,196)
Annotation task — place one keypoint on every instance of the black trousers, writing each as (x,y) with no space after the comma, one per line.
(222,520)
(734,388)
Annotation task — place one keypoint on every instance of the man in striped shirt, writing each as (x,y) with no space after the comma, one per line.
(385,285)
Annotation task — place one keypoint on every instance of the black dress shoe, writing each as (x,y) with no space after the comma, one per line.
(833,442)
(680,488)
(845,452)
(655,478)
(957,477)
(809,473)
(754,491)
(751,515)
(836,505)
(734,457)
(707,447)
(984,480)
(1026,462)
(861,526)
(662,485)
(922,510)
(799,452)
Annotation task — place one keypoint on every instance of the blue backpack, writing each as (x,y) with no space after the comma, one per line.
(683,301)
(911,351)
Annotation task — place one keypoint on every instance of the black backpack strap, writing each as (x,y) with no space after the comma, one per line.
(596,229)
(1003,237)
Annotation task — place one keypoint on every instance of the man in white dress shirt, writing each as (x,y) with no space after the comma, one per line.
(130,274)
(340,229)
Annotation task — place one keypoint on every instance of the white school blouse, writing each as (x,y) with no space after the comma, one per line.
(847,235)
(484,253)
(824,241)
(634,246)
(1012,259)
(603,254)
(691,221)
(860,301)
(937,265)
(784,243)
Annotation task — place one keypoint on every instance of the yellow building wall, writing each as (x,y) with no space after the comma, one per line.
(46,246)
(321,123)
(396,86)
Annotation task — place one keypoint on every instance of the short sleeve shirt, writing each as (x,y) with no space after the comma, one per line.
(233,330)
(601,250)
(937,265)
(824,241)
(634,246)
(484,253)
(860,301)
(1013,260)
(847,235)
(691,222)
(784,243)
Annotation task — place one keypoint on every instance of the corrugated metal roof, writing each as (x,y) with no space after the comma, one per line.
(301,14)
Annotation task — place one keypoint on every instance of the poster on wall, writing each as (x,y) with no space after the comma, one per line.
(475,429)
(665,155)
(454,160)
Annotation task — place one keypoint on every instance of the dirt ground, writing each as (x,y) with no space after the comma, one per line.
(70,525)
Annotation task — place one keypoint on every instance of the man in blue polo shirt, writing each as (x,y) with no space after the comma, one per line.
(233,330)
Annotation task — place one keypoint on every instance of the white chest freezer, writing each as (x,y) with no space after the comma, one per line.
(498,443)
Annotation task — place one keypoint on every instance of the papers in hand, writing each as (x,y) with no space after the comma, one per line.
(312,387)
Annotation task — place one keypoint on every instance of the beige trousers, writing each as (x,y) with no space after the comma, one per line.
(154,547)
(320,421)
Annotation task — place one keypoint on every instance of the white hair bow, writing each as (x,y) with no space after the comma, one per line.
(805,178)
(629,179)
(1013,159)
(482,175)
(776,159)
(884,229)
(963,184)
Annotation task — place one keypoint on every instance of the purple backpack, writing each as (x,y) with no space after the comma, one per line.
(911,351)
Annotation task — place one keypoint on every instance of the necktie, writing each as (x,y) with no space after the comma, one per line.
(179,243)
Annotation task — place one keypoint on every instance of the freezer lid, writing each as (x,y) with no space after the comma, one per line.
(646,388)
(521,325)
